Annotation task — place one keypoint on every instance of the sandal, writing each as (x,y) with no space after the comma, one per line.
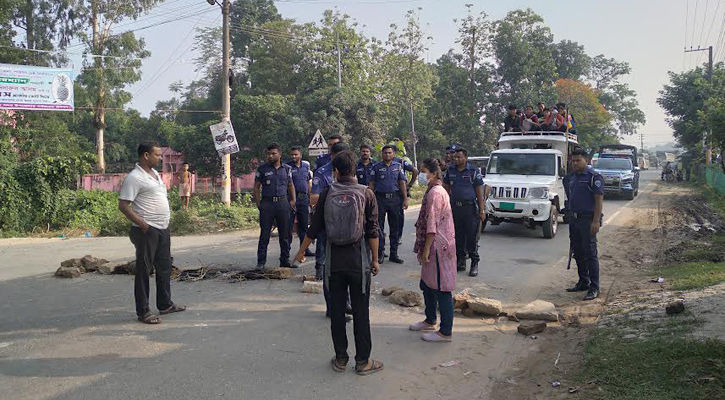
(338,365)
(174,308)
(371,367)
(150,318)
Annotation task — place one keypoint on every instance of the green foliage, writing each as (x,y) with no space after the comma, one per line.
(666,366)
(35,194)
(695,275)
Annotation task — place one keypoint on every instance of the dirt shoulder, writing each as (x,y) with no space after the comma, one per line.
(665,228)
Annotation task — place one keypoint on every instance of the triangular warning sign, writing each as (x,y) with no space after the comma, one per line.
(318,142)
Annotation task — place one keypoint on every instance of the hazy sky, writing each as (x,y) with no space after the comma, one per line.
(650,35)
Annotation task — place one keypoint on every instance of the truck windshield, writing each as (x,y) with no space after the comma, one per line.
(613,163)
(522,164)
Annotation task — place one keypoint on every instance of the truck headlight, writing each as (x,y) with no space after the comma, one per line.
(627,177)
(539,193)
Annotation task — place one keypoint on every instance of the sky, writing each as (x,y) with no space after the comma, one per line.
(649,35)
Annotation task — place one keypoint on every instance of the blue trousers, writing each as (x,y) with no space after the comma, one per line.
(303,218)
(465,220)
(437,300)
(584,245)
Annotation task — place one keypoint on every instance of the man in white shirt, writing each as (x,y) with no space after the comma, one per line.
(143,201)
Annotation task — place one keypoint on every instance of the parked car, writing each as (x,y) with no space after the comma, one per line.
(620,176)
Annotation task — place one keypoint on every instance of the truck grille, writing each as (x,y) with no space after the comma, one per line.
(508,192)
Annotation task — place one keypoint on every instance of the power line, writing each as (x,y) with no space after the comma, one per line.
(157,74)
(65,52)
(687,17)
(712,23)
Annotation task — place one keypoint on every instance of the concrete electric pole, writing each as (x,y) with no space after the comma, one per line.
(708,139)
(226,112)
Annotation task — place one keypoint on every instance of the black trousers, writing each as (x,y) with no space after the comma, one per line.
(465,221)
(390,207)
(153,248)
(340,283)
(584,245)
(303,218)
(274,212)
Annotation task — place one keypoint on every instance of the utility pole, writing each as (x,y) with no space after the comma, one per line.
(339,61)
(708,139)
(226,158)
(415,137)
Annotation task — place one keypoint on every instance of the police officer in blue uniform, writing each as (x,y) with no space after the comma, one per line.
(407,167)
(322,179)
(302,180)
(585,192)
(326,158)
(364,169)
(450,153)
(464,182)
(390,187)
(275,202)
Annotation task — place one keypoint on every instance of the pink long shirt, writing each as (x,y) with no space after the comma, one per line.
(439,221)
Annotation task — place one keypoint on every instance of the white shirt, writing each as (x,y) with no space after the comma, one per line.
(148,197)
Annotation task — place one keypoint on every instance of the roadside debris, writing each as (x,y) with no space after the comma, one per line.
(406,298)
(675,307)
(68,272)
(390,290)
(555,384)
(538,310)
(489,307)
(657,280)
(451,363)
(312,287)
(531,327)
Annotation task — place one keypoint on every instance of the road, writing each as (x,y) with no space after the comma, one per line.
(78,339)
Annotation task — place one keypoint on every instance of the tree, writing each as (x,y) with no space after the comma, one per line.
(617,97)
(526,70)
(572,62)
(409,80)
(276,58)
(247,18)
(683,99)
(116,60)
(7,33)
(47,24)
(607,71)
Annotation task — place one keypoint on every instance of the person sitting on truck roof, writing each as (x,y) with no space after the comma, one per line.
(553,120)
(568,117)
(541,113)
(529,120)
(512,122)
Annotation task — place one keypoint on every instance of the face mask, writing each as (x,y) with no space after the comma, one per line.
(423,178)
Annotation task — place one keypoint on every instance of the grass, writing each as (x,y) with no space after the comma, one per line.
(694,275)
(666,366)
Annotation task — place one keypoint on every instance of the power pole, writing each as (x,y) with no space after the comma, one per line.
(226,158)
(339,61)
(708,139)
(415,137)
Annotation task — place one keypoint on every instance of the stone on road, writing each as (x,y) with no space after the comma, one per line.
(406,298)
(538,310)
(531,327)
(488,307)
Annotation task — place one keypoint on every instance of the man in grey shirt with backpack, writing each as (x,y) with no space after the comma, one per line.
(348,212)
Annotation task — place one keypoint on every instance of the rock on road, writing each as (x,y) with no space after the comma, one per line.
(78,338)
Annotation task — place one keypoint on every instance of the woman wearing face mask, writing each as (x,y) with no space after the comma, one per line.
(436,249)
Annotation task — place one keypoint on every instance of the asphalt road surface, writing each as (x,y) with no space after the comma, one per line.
(79,338)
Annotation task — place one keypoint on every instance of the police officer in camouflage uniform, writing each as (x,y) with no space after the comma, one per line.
(275,203)
(585,193)
(464,183)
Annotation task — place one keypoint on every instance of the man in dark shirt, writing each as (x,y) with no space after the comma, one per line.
(302,180)
(512,122)
(326,158)
(365,165)
(349,269)
(274,194)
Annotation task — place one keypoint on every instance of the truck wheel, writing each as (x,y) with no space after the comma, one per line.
(549,226)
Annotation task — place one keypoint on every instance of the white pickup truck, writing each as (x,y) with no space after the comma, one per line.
(525,179)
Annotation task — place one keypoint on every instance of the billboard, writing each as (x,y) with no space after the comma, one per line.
(224,139)
(26,87)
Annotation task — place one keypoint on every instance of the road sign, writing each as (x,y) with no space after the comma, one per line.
(318,145)
(224,139)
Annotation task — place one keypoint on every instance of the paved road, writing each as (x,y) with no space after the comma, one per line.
(78,339)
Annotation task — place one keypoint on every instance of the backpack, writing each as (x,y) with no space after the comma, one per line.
(345,214)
